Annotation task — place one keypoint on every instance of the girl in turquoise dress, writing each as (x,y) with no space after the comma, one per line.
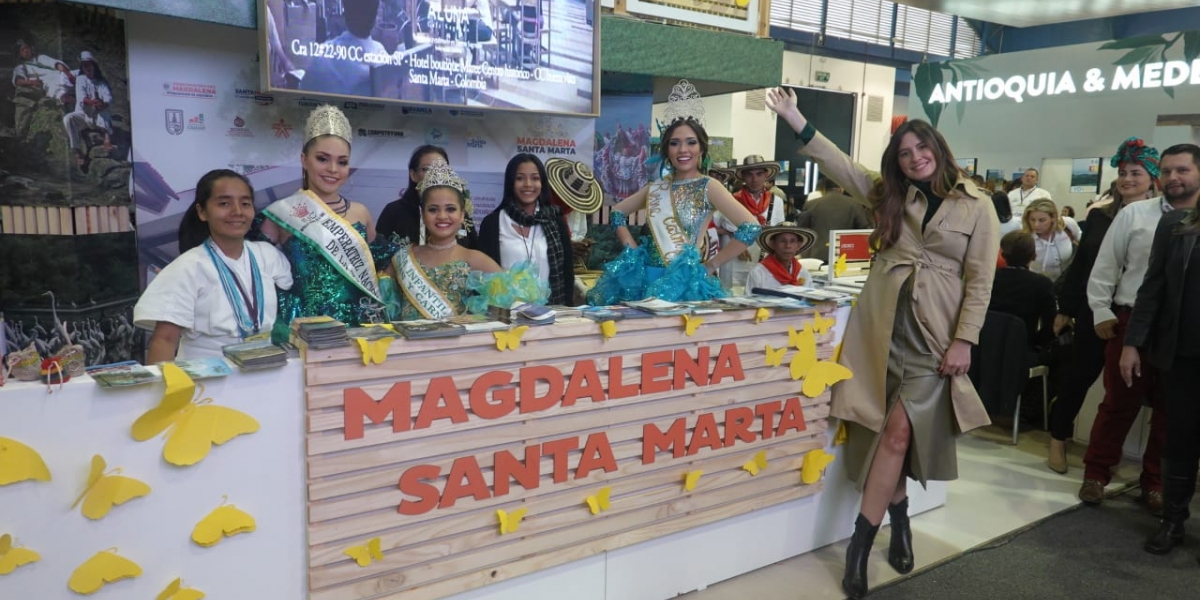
(677,261)
(329,240)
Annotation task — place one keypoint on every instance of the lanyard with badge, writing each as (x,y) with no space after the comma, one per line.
(247,308)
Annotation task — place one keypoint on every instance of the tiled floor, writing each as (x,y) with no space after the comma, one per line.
(1001,488)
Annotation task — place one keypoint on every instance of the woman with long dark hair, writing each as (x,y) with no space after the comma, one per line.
(909,339)
(526,227)
(402,217)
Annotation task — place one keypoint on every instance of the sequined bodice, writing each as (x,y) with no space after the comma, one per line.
(319,289)
(689,200)
(451,279)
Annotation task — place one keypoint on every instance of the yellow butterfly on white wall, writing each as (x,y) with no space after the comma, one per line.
(13,557)
(176,591)
(224,521)
(194,425)
(106,490)
(102,568)
(19,462)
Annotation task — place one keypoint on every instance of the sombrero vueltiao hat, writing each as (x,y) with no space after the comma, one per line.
(575,184)
(722,174)
(756,161)
(807,237)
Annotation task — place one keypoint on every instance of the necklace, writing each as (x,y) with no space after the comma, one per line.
(342,207)
(446,246)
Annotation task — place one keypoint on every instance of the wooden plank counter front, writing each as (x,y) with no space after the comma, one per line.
(425,449)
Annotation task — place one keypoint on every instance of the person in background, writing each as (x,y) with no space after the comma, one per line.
(576,192)
(220,290)
(921,309)
(402,217)
(1068,212)
(34,77)
(93,97)
(756,175)
(821,188)
(1121,266)
(1054,244)
(347,74)
(1018,291)
(780,244)
(835,210)
(1028,192)
(527,228)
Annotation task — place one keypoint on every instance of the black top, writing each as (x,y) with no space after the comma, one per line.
(1030,296)
(934,201)
(1158,316)
(1072,292)
(1189,330)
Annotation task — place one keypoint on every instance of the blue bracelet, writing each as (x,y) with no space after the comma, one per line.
(618,219)
(747,233)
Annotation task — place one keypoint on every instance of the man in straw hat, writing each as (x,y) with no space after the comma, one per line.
(756,175)
(780,245)
(577,193)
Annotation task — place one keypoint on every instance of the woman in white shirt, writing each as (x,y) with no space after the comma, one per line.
(1055,246)
(221,288)
(526,227)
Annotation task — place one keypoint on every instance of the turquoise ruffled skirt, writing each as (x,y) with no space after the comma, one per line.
(633,276)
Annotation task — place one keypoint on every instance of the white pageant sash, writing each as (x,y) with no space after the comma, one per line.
(417,287)
(304,215)
(665,226)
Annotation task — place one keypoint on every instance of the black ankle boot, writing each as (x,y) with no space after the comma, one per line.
(1179,483)
(900,551)
(1169,535)
(854,582)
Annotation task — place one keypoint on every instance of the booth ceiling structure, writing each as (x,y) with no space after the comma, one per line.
(1029,13)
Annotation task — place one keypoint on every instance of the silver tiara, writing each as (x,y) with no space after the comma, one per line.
(441,175)
(327,120)
(684,103)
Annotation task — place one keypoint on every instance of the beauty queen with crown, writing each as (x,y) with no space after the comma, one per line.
(676,262)
(326,238)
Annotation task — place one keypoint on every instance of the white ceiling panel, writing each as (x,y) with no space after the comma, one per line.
(1027,13)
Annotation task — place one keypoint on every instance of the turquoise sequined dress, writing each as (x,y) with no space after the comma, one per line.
(643,272)
(466,291)
(319,289)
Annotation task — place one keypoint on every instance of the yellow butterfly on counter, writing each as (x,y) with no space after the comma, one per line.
(106,490)
(796,338)
(599,501)
(823,375)
(374,351)
(194,426)
(608,329)
(761,315)
(176,591)
(756,464)
(226,520)
(691,478)
(367,553)
(821,324)
(841,435)
(510,521)
(839,265)
(805,357)
(691,324)
(775,356)
(11,558)
(19,462)
(511,339)
(814,462)
(104,567)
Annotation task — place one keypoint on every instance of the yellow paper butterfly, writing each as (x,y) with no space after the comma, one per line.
(839,266)
(742,3)
(19,462)
(761,315)
(815,461)
(195,426)
(821,324)
(367,553)
(599,501)
(176,591)
(821,376)
(691,324)
(608,329)
(374,351)
(806,353)
(775,356)
(226,520)
(841,435)
(691,478)
(756,464)
(510,521)
(11,558)
(796,338)
(104,567)
(106,490)
(511,339)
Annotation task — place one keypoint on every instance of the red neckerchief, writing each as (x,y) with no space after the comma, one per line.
(776,268)
(758,208)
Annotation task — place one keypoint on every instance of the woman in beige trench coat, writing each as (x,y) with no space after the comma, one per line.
(909,339)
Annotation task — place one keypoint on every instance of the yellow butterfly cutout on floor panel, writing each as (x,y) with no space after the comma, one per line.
(761,315)
(104,567)
(756,464)
(176,591)
(841,435)
(821,324)
(19,462)
(365,554)
(691,478)
(226,520)
(839,265)
(11,558)
(510,521)
(194,426)
(374,351)
(599,501)
(106,490)
(814,462)
(806,354)
(608,329)
(775,355)
(511,339)
(822,375)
